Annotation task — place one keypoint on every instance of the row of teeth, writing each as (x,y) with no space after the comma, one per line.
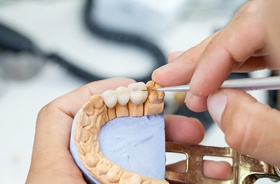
(135,92)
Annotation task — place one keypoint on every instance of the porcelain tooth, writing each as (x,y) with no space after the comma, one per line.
(123,95)
(110,98)
(137,93)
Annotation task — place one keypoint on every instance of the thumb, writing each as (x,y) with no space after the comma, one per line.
(250,127)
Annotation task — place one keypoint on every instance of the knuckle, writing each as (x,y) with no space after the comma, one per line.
(45,111)
(245,130)
(251,7)
(241,132)
(236,134)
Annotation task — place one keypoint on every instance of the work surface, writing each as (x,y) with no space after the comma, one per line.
(57,26)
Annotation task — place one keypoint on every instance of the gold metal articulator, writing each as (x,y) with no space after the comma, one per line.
(245,170)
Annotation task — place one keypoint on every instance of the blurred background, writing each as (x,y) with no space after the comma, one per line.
(49,48)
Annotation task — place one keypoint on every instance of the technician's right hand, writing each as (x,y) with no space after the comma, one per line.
(244,45)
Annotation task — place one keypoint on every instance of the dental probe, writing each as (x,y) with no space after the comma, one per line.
(267,83)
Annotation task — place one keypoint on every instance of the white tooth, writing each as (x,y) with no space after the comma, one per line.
(137,95)
(139,86)
(132,87)
(110,98)
(123,95)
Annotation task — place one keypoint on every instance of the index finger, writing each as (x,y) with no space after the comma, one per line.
(237,42)
(183,129)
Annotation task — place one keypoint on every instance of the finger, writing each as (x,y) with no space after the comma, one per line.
(181,69)
(172,56)
(217,169)
(250,127)
(271,16)
(210,169)
(259,63)
(176,72)
(237,42)
(196,103)
(184,130)
(177,167)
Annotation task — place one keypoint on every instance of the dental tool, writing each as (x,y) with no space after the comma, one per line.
(246,84)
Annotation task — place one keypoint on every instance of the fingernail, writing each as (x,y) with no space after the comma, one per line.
(173,55)
(162,68)
(216,105)
(188,96)
(177,53)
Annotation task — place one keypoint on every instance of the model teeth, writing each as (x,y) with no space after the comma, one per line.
(138,94)
(128,101)
(139,86)
(110,98)
(123,95)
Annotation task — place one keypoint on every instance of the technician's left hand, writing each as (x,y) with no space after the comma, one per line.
(51,159)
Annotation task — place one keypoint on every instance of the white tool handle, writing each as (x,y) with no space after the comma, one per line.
(268,83)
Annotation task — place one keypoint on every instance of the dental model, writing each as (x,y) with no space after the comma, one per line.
(136,100)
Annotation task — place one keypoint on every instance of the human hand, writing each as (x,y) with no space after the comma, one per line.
(241,46)
(51,159)
(245,44)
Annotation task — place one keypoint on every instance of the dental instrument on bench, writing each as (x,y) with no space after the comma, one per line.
(246,84)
